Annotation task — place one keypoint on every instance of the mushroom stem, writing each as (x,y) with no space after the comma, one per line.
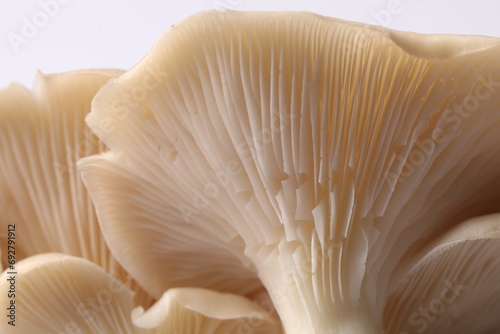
(305,310)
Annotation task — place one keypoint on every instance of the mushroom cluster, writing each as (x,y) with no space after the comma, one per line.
(258,173)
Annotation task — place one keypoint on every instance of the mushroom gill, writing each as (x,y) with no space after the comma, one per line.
(42,136)
(327,153)
(348,172)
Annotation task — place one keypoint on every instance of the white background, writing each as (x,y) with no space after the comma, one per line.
(82,34)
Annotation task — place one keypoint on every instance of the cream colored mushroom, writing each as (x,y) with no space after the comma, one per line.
(64,294)
(42,136)
(326,152)
(450,286)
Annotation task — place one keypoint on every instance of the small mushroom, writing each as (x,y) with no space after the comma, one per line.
(42,136)
(65,294)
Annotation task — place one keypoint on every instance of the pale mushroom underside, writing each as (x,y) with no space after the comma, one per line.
(333,164)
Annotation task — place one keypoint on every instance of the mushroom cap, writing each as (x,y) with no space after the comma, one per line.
(42,136)
(325,152)
(451,285)
(62,293)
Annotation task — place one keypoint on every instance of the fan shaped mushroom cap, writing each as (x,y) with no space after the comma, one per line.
(178,254)
(451,285)
(42,136)
(325,151)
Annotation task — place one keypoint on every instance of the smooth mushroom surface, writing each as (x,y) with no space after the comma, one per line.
(342,175)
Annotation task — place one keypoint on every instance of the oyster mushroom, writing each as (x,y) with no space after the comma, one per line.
(459,274)
(62,293)
(42,136)
(328,153)
(337,162)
